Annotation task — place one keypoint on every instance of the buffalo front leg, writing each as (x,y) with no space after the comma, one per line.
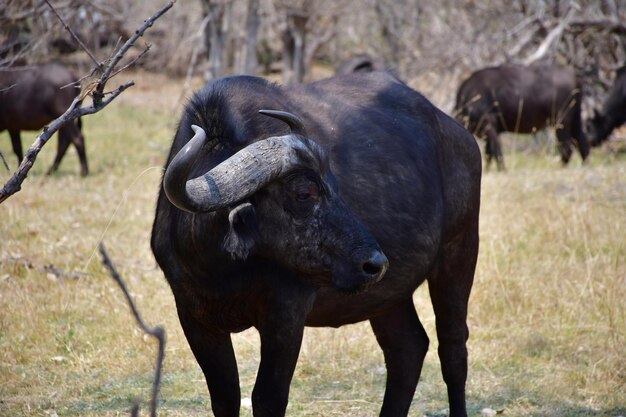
(566,139)
(404,343)
(578,135)
(16,142)
(450,287)
(281,330)
(215,355)
(565,144)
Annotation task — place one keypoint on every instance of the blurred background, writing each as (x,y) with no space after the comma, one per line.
(431,44)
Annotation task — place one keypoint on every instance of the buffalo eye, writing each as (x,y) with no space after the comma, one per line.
(306,190)
(302,195)
(307,193)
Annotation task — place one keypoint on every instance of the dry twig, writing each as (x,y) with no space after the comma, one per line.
(156,332)
(96,90)
(4,162)
(76,38)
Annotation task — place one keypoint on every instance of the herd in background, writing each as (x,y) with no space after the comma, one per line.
(31,97)
(523,99)
(507,98)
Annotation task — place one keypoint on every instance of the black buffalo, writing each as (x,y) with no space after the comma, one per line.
(33,96)
(522,99)
(260,224)
(613,113)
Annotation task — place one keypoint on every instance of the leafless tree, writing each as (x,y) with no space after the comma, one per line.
(250,61)
(214,37)
(103,72)
(157,332)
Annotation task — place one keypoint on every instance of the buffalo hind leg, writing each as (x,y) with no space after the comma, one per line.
(404,343)
(450,287)
(70,133)
(494,149)
(79,143)
(16,141)
(215,355)
(63,144)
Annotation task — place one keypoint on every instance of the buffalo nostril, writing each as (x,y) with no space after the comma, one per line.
(376,265)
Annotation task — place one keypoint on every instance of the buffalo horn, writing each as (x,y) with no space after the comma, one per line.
(294,122)
(239,176)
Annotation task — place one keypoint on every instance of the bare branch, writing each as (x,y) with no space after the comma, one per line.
(34,10)
(554,34)
(156,332)
(197,38)
(4,161)
(2,90)
(96,90)
(609,25)
(132,62)
(98,94)
(76,38)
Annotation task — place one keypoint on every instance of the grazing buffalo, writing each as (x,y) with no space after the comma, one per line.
(522,99)
(613,113)
(331,208)
(33,96)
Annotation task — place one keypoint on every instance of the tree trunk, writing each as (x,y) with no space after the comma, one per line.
(214,38)
(252,29)
(288,52)
(297,27)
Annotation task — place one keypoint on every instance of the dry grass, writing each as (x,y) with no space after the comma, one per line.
(547,314)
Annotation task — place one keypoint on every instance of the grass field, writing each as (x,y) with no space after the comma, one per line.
(547,313)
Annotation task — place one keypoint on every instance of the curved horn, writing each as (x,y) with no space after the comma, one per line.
(239,176)
(175,177)
(294,122)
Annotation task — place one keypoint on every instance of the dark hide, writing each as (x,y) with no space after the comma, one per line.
(522,99)
(31,97)
(397,174)
(613,113)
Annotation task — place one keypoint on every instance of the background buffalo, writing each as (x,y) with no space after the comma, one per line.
(33,96)
(613,113)
(522,99)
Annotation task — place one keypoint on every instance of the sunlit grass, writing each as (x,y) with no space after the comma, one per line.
(547,313)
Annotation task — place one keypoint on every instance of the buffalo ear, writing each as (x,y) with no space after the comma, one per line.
(242,231)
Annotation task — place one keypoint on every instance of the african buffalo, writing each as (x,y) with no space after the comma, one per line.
(33,96)
(522,99)
(292,220)
(613,113)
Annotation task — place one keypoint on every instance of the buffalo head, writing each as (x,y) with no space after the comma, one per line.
(598,128)
(283,205)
